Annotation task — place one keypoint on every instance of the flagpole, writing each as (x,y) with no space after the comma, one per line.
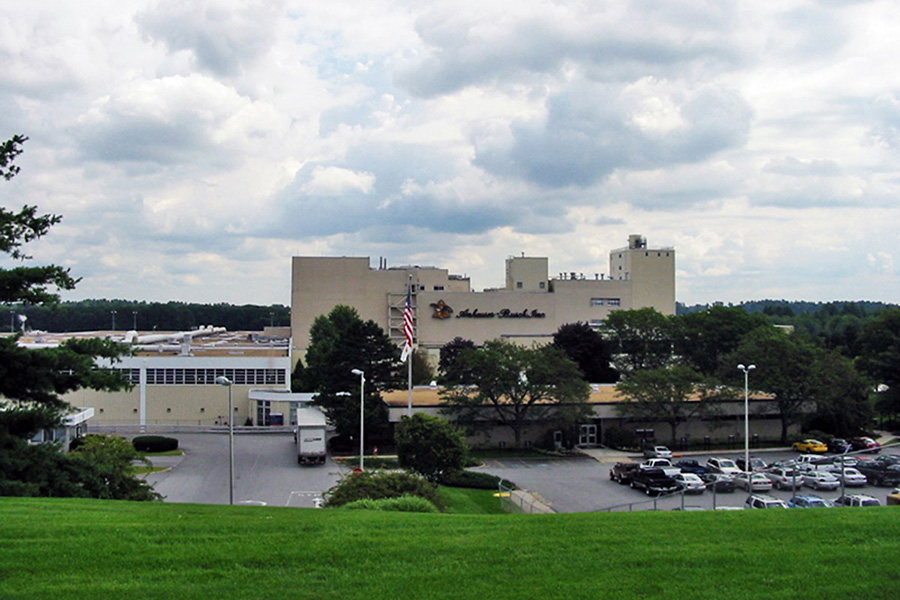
(410,357)
(409,386)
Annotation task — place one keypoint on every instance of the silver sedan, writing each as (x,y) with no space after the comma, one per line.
(821,480)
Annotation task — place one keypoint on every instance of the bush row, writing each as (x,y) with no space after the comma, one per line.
(401,504)
(379,485)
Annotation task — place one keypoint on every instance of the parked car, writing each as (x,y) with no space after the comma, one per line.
(690,483)
(865,444)
(727,466)
(753,482)
(756,464)
(849,476)
(691,465)
(661,463)
(784,478)
(821,480)
(719,482)
(857,500)
(622,471)
(893,499)
(809,501)
(806,461)
(654,482)
(657,452)
(839,445)
(763,501)
(810,445)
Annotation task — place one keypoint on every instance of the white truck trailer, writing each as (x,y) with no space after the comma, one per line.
(310,436)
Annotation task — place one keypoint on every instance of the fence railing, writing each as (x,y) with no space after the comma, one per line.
(513,500)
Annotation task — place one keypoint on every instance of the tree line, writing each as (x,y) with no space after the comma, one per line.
(123,315)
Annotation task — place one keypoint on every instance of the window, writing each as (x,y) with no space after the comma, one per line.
(542,284)
(518,285)
(208,376)
(606,301)
(438,288)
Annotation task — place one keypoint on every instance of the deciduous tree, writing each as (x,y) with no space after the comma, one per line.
(642,338)
(671,395)
(589,350)
(515,386)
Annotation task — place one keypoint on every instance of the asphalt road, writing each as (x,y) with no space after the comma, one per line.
(583,485)
(265,469)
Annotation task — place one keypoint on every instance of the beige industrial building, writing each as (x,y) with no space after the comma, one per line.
(605,403)
(530,307)
(174,379)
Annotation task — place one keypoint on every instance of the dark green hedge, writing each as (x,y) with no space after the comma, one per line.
(154,443)
(474,480)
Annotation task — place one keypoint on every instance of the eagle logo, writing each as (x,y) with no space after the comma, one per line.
(441,310)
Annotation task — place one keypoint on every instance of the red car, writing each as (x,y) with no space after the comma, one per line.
(865,444)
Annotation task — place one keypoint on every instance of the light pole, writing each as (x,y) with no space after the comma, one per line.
(362,412)
(113,313)
(222,380)
(746,371)
(134,320)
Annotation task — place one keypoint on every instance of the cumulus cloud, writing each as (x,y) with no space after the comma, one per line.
(223,36)
(334,181)
(210,140)
(790,165)
(170,121)
(591,130)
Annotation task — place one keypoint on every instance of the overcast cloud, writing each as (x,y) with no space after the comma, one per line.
(193,147)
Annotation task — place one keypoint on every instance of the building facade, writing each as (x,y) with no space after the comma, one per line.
(175,380)
(530,307)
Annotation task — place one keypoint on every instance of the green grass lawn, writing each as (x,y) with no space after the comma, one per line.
(464,501)
(94,550)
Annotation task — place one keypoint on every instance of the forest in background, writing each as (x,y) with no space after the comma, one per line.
(123,315)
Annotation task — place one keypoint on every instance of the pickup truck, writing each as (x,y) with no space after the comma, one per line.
(879,472)
(622,472)
(660,463)
(654,482)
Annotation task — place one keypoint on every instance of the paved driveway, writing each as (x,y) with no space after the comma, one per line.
(265,471)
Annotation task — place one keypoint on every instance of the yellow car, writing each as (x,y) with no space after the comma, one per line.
(810,446)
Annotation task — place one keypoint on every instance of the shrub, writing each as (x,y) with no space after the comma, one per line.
(474,480)
(378,485)
(154,443)
(430,446)
(400,504)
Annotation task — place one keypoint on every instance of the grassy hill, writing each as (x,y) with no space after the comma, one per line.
(103,549)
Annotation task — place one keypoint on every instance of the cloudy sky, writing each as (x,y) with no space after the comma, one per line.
(193,147)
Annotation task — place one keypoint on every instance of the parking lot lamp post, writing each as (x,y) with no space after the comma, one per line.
(746,370)
(362,412)
(222,380)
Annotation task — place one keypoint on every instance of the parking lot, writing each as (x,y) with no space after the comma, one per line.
(265,471)
(582,484)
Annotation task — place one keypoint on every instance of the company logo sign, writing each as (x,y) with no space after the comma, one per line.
(442,310)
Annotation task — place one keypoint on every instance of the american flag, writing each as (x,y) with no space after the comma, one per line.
(407,325)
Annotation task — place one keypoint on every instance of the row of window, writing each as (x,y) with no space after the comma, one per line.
(606,302)
(208,376)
